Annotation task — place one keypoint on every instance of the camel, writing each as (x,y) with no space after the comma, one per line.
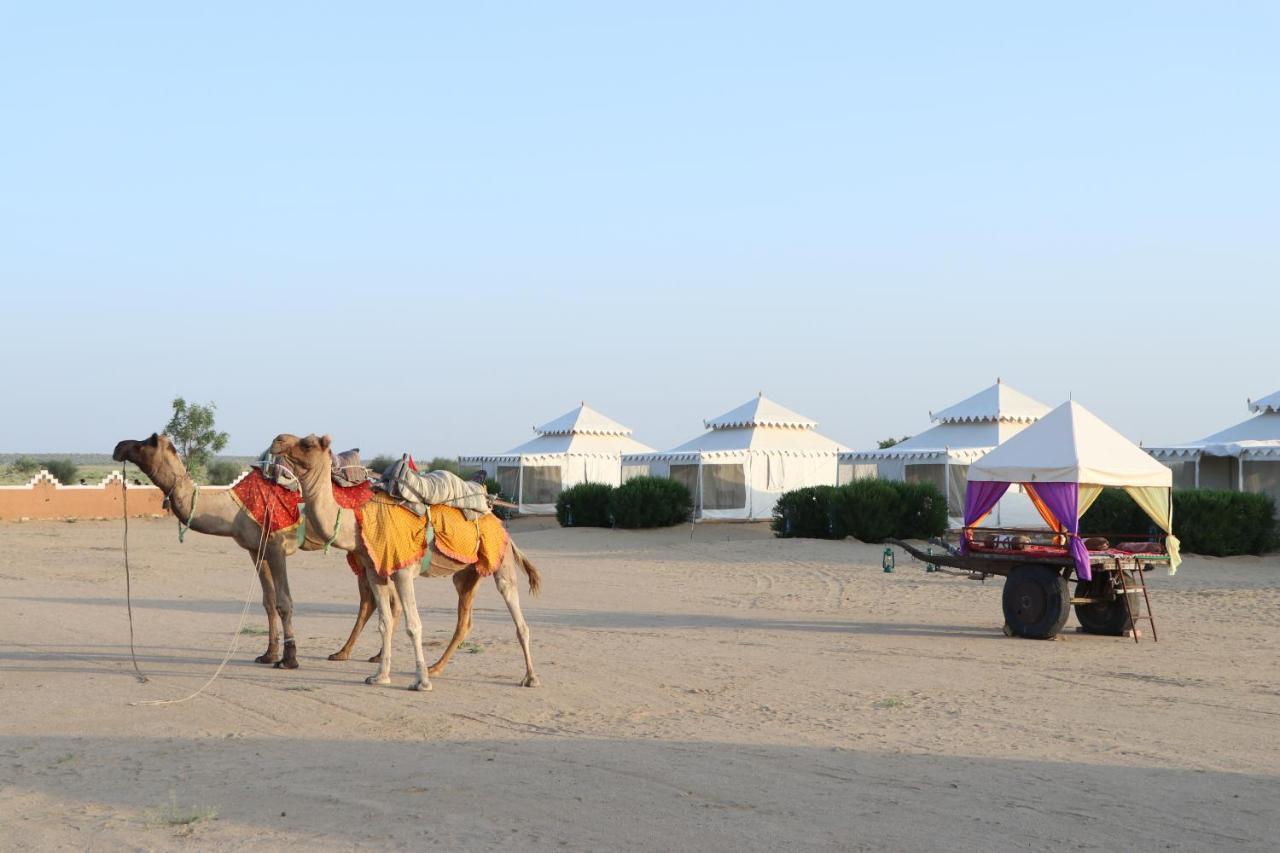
(311,463)
(217,514)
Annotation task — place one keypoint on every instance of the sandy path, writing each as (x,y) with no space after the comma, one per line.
(726,693)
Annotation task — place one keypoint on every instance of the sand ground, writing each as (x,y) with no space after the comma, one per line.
(720,691)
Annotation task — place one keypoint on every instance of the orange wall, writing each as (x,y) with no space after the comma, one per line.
(46,499)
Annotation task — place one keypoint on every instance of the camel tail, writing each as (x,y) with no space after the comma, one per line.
(535,577)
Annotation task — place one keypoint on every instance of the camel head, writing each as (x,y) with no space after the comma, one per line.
(156,456)
(304,454)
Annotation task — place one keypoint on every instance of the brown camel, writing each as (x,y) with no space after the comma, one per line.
(311,463)
(217,514)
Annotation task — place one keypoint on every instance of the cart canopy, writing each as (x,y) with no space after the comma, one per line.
(1063,461)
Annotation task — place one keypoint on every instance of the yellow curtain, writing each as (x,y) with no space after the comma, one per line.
(1157,502)
(1088,494)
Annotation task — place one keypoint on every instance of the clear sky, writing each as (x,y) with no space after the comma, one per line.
(431,226)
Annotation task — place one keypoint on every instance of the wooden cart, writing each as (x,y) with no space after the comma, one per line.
(1037,594)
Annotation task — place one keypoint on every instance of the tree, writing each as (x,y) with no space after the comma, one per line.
(191,430)
(890,442)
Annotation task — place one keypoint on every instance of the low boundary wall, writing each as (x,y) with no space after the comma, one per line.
(45,498)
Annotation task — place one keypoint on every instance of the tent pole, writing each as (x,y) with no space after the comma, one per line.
(520,484)
(1197,470)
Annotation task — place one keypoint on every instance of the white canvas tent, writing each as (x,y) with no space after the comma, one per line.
(748,457)
(1071,445)
(1245,457)
(941,455)
(580,446)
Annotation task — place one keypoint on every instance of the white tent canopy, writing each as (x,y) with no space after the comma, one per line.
(1071,445)
(1244,457)
(580,446)
(941,455)
(748,457)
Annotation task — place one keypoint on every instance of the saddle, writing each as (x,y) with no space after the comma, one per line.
(347,468)
(417,492)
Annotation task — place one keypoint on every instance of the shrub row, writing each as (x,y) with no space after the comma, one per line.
(640,502)
(870,510)
(1216,523)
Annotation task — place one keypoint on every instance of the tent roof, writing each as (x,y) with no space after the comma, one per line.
(1266,404)
(998,403)
(1263,427)
(760,426)
(760,411)
(582,432)
(1071,445)
(1256,436)
(582,420)
(961,440)
(763,439)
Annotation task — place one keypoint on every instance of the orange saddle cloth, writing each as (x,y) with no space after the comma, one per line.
(482,542)
(265,500)
(393,536)
(396,538)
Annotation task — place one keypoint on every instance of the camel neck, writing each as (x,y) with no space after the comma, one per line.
(322,509)
(182,500)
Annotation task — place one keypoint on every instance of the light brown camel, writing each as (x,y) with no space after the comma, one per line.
(311,463)
(217,514)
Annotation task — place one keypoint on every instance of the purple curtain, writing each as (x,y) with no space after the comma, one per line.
(980,498)
(1063,500)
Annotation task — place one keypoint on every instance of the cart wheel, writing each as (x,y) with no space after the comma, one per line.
(1036,601)
(1109,618)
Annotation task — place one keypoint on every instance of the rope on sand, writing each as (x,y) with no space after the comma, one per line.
(235,638)
(128,580)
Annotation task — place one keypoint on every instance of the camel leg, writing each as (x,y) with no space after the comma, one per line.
(382,593)
(269,604)
(509,589)
(466,582)
(395,617)
(362,616)
(413,624)
(284,606)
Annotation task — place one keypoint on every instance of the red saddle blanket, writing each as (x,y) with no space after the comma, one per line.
(259,497)
(268,503)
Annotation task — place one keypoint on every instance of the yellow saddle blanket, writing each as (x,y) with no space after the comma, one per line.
(482,542)
(393,536)
(397,538)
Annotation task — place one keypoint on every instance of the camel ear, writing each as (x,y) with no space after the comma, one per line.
(154,441)
(325,442)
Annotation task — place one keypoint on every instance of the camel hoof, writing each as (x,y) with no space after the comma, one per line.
(265,657)
(373,679)
(531,681)
(376,658)
(421,686)
(435,671)
(287,663)
(340,656)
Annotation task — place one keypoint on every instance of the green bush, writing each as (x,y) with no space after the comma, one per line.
(870,510)
(1206,521)
(650,502)
(1113,513)
(808,513)
(924,511)
(64,470)
(381,462)
(584,505)
(222,473)
(25,465)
